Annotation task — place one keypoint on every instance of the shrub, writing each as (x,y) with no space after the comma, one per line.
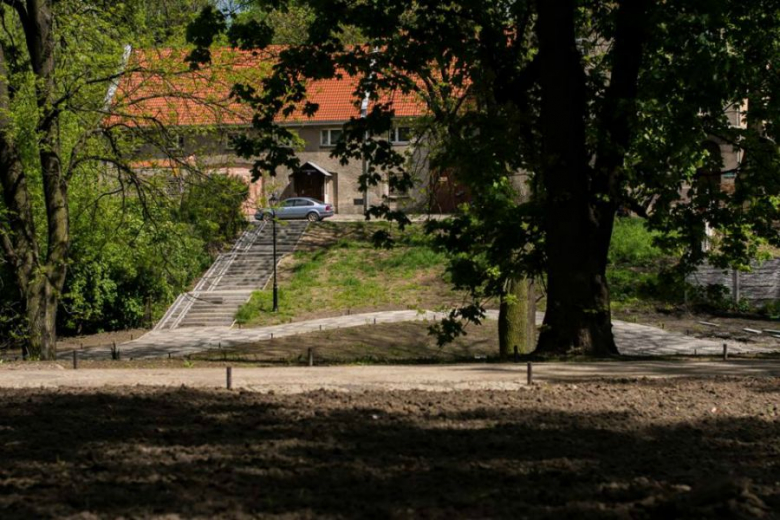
(632,244)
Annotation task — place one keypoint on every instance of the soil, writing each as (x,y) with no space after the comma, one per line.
(628,449)
(403,342)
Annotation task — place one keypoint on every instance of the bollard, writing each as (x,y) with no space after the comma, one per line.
(517,355)
(311,357)
(131,337)
(695,352)
(530,374)
(169,355)
(272,335)
(75,360)
(229,377)
(219,345)
(320,328)
(725,352)
(81,346)
(374,321)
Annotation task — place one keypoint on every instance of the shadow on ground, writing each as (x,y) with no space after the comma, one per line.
(690,449)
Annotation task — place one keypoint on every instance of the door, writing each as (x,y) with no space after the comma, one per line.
(309,183)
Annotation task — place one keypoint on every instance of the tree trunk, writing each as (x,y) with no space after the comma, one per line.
(40,273)
(583,188)
(517,318)
(42,319)
(578,316)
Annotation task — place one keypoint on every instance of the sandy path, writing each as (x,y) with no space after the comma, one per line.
(290,380)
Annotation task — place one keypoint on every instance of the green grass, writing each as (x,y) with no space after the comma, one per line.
(343,270)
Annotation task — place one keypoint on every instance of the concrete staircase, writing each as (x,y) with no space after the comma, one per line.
(230,280)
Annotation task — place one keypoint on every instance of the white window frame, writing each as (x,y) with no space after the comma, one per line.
(328,132)
(395,135)
(177,143)
(229,140)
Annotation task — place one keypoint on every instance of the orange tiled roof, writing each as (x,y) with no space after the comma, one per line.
(160,89)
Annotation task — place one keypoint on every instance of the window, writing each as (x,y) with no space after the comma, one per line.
(289,203)
(176,142)
(230,138)
(304,202)
(400,135)
(330,137)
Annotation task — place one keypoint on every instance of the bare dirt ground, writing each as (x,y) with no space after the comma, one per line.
(631,449)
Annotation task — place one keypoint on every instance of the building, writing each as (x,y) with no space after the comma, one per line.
(187,120)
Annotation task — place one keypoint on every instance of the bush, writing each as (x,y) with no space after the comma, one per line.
(633,271)
(130,257)
(632,244)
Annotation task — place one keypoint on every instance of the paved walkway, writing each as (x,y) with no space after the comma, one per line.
(632,339)
(290,380)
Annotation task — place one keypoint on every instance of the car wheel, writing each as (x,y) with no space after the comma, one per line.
(267,217)
(313,216)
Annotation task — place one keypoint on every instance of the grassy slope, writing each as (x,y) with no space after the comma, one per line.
(337,269)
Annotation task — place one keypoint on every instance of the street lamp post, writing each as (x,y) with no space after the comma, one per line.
(273,202)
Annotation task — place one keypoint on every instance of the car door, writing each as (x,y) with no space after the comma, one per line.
(303,207)
(286,209)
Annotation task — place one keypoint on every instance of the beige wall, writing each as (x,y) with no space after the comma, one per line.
(211,152)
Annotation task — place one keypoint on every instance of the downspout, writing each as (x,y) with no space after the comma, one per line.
(114,86)
(364,115)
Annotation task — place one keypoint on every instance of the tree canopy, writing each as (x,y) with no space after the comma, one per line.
(606,105)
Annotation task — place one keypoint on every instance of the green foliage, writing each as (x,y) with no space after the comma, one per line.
(635,263)
(633,244)
(213,207)
(130,258)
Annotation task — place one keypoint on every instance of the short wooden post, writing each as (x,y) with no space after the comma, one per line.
(311,357)
(75,360)
(229,377)
(517,354)
(169,355)
(272,335)
(725,352)
(530,374)
(374,321)
(695,352)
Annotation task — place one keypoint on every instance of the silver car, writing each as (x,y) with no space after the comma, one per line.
(297,207)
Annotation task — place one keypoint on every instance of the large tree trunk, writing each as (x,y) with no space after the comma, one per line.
(517,318)
(582,190)
(577,317)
